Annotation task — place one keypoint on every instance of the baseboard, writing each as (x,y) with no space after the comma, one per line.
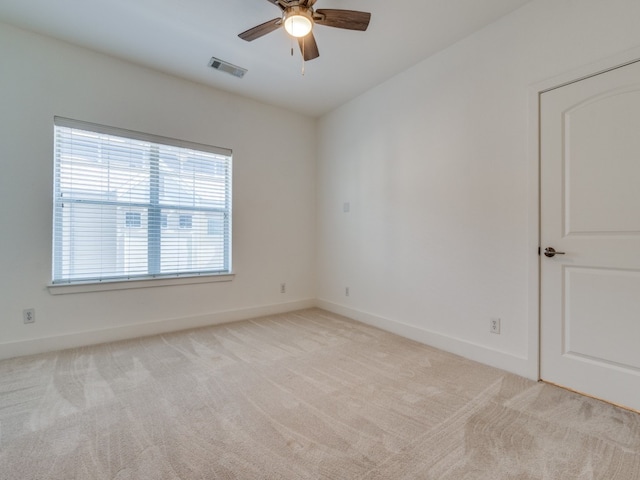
(93,337)
(479,353)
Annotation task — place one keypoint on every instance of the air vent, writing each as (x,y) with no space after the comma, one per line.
(227,67)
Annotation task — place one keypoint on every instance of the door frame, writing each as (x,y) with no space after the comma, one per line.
(534,184)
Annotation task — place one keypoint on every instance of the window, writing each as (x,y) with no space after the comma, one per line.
(132,220)
(215,225)
(115,195)
(185,221)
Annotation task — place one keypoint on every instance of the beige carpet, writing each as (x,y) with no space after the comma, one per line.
(304,395)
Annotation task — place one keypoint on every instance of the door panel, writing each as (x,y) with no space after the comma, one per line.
(590,210)
(601,143)
(589,295)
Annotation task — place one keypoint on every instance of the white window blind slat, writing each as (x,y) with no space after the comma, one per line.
(128,205)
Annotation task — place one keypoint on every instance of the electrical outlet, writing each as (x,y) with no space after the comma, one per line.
(346,291)
(494,325)
(283,288)
(29,315)
(346,207)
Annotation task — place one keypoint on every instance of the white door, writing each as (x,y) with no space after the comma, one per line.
(590,210)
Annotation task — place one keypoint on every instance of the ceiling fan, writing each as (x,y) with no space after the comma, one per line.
(299,17)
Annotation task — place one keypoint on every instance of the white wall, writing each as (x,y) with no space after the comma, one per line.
(274,234)
(436,165)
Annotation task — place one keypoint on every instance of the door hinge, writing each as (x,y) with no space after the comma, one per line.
(539,251)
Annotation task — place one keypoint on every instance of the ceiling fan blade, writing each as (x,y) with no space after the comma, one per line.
(261,30)
(309,47)
(348,19)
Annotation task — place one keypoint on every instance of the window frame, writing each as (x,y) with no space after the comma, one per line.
(71,285)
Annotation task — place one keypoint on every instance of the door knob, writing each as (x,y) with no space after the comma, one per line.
(551,252)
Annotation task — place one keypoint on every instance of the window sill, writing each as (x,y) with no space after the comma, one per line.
(67,288)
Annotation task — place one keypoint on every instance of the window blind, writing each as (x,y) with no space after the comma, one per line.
(129,205)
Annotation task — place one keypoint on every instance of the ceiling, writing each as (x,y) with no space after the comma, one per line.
(180,38)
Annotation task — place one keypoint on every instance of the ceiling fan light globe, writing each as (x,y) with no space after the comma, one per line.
(298,25)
